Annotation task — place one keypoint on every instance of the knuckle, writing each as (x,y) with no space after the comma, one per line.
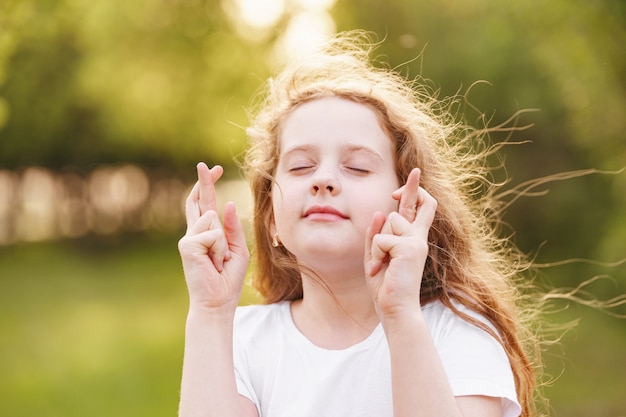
(395,217)
(220,235)
(183,243)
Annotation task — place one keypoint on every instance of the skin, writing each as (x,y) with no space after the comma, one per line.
(339,209)
(333,157)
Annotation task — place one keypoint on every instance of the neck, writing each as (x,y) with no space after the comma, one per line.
(336,310)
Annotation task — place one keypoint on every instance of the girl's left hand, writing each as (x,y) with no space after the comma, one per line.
(396,249)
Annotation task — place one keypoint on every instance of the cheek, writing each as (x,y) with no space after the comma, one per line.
(382,200)
(281,205)
(394,205)
(286,193)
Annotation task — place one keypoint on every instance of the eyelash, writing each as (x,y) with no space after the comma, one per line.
(358,170)
(302,168)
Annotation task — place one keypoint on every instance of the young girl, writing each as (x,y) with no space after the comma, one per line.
(388,292)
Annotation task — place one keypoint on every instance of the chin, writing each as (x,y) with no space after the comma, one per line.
(324,251)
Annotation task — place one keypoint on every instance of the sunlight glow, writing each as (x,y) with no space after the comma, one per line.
(306,30)
(308,22)
(319,5)
(261,13)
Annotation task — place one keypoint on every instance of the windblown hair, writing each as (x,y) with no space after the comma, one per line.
(468,261)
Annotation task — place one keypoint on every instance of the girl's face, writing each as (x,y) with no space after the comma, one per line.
(336,169)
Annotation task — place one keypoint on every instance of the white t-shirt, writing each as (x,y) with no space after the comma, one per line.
(286,375)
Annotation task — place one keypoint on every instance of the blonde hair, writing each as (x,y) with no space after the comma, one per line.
(468,262)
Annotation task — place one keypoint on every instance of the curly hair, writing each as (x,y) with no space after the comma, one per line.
(468,261)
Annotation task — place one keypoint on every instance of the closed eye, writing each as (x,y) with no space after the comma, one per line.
(300,168)
(358,170)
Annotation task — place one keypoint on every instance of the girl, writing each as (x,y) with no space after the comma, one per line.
(388,292)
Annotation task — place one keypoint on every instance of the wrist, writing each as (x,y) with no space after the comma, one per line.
(211,315)
(401,320)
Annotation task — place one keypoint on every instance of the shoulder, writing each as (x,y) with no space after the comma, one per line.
(474,360)
(444,322)
(257,310)
(260,318)
(463,345)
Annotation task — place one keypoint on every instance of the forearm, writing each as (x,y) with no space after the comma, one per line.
(208,385)
(419,383)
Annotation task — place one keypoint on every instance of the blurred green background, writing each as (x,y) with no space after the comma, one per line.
(105,107)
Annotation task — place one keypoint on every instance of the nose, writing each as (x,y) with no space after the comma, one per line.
(325,181)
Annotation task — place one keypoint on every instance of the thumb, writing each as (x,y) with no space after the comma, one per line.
(233,230)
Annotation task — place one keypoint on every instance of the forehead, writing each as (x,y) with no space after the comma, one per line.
(334,121)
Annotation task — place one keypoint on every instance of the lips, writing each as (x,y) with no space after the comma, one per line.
(325,213)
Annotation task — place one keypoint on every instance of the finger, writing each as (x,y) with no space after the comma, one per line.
(218,247)
(397,194)
(382,246)
(208,221)
(397,225)
(380,250)
(192,208)
(373,263)
(409,199)
(207,179)
(234,232)
(211,243)
(392,225)
(426,212)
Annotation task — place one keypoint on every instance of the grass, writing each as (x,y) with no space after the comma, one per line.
(95,328)
(91,330)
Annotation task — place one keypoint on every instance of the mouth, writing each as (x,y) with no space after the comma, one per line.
(324,213)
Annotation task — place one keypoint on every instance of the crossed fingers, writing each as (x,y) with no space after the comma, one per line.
(202,197)
(416,211)
(411,196)
(201,211)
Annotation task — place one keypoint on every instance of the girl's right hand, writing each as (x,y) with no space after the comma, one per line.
(215,257)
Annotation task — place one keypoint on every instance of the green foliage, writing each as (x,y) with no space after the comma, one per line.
(92,328)
(566,59)
(164,84)
(157,83)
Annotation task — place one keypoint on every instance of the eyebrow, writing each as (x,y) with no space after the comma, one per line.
(297,149)
(366,149)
